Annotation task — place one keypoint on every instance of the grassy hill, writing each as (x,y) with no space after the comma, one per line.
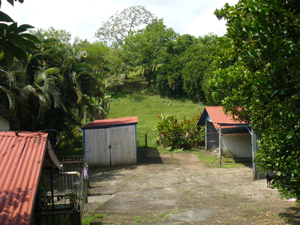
(135,98)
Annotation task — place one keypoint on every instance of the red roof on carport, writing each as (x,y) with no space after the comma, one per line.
(218,116)
(21,159)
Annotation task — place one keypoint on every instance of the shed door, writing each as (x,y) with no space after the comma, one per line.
(123,145)
(97,152)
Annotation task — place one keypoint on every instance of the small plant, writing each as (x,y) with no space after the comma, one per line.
(88,218)
(277,216)
(260,209)
(137,219)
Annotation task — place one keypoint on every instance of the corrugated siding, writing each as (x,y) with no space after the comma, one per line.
(21,158)
(112,122)
(96,147)
(218,116)
(112,146)
(122,140)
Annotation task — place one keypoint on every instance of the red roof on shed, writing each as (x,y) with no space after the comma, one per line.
(111,122)
(21,159)
(218,116)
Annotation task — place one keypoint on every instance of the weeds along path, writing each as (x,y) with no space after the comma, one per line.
(181,189)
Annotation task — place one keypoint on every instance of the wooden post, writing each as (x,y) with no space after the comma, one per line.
(220,145)
(146,145)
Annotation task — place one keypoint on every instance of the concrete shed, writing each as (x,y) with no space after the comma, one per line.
(111,142)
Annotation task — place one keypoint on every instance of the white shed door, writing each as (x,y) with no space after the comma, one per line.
(97,150)
(123,145)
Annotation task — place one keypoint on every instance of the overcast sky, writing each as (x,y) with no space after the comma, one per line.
(83,17)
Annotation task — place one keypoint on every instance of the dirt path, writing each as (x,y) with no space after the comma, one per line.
(180,189)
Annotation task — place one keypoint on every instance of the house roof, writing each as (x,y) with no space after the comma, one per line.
(219,117)
(112,122)
(21,159)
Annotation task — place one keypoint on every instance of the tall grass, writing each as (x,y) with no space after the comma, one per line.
(147,107)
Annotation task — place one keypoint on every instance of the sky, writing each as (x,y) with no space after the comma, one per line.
(83,18)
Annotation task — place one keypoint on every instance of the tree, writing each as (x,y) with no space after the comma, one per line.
(151,47)
(62,35)
(198,58)
(262,84)
(12,2)
(14,39)
(169,80)
(121,25)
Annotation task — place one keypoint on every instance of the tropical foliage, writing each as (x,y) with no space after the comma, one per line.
(258,81)
(179,133)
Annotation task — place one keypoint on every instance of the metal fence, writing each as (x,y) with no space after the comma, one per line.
(60,214)
(70,194)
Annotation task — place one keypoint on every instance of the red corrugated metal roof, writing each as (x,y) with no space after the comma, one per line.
(111,122)
(21,159)
(217,116)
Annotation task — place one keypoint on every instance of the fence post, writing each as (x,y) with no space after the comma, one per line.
(146,144)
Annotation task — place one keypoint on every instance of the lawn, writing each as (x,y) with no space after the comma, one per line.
(147,107)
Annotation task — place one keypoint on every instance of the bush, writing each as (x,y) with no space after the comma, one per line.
(71,143)
(176,133)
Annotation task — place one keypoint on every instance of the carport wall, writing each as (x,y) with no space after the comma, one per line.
(111,142)
(238,145)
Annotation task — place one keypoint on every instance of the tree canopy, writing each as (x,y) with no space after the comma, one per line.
(121,25)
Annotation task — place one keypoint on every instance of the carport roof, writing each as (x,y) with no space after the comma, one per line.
(21,158)
(218,116)
(112,122)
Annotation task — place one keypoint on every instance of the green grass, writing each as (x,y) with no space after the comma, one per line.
(88,218)
(208,158)
(147,107)
(213,161)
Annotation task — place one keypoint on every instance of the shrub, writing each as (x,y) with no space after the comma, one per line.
(176,133)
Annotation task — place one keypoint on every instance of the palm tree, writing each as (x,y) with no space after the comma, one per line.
(7,88)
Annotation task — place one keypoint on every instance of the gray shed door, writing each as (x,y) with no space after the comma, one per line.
(123,145)
(97,151)
(111,146)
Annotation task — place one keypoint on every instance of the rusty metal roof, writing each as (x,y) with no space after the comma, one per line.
(218,116)
(21,158)
(112,122)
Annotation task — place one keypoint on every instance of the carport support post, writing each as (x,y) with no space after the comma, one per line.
(253,140)
(220,145)
(206,130)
